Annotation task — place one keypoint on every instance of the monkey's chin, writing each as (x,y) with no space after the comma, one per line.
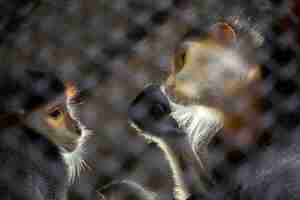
(75,158)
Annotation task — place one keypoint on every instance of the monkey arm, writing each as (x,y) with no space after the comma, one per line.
(180,189)
(129,186)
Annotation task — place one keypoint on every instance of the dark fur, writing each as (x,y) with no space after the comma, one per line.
(268,170)
(31,167)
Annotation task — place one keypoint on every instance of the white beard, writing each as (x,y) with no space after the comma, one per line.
(75,159)
(200,123)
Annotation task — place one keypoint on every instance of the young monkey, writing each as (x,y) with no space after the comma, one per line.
(58,121)
(42,141)
(211,88)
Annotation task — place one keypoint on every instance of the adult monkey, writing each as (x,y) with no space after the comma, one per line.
(202,96)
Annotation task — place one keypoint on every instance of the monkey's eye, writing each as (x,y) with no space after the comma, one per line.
(55,114)
(55,117)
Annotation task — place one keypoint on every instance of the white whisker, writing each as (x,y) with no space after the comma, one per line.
(200,123)
(75,159)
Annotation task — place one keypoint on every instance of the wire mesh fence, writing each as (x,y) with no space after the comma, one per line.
(114,49)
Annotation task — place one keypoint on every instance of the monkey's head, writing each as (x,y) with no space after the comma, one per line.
(55,119)
(211,88)
(37,98)
(213,71)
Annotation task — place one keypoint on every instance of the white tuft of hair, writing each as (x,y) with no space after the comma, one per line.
(200,123)
(75,159)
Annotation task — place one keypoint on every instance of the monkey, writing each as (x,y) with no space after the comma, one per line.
(209,79)
(32,167)
(59,122)
(43,140)
(270,170)
(215,73)
(150,113)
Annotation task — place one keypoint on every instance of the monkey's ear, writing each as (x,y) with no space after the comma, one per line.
(223,33)
(70,89)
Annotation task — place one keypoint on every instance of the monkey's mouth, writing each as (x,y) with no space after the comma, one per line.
(154,111)
(65,139)
(150,111)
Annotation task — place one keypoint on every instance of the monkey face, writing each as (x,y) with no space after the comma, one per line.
(55,122)
(212,69)
(36,98)
(210,81)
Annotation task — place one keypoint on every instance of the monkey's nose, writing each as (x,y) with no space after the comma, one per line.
(150,111)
